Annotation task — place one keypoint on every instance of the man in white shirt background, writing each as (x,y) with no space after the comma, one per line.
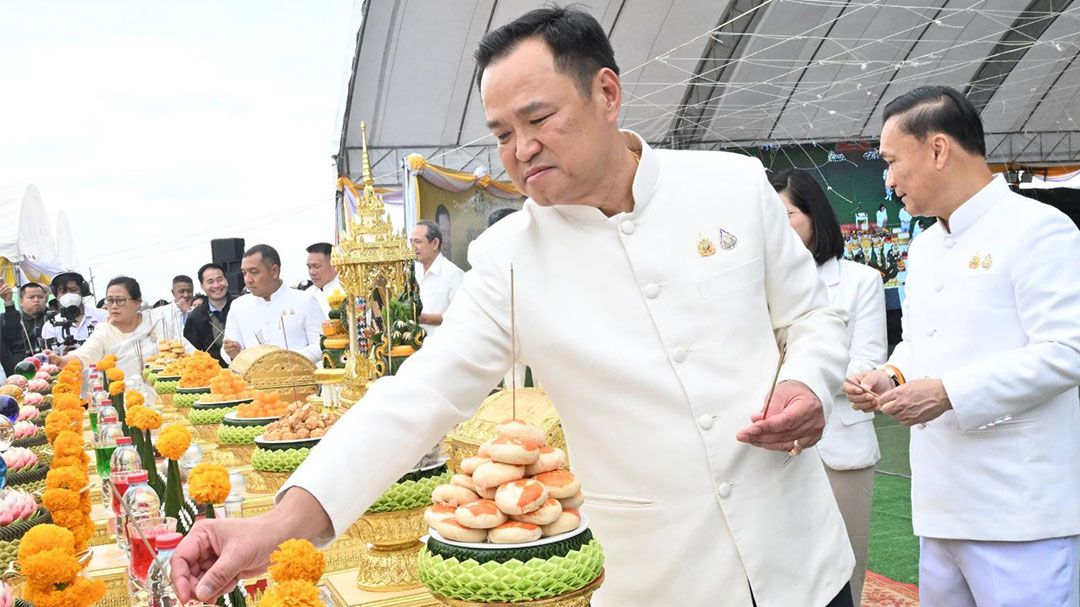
(173,317)
(323,274)
(438,277)
(271,313)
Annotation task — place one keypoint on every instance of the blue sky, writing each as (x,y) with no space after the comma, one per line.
(158,126)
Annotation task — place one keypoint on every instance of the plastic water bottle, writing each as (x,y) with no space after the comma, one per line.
(105,444)
(125,461)
(104,410)
(158,588)
(97,395)
(139,503)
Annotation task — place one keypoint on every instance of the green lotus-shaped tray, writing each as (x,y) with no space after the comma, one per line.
(412,491)
(30,479)
(166,384)
(510,575)
(238,435)
(207,415)
(37,440)
(186,397)
(278,460)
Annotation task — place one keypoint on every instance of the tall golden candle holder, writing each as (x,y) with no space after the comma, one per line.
(370,256)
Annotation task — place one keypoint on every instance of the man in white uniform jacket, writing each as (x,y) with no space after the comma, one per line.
(988,368)
(649,289)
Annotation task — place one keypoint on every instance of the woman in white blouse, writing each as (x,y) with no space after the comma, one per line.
(129,334)
(849,446)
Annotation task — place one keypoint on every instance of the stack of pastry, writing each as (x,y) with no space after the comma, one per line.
(516,490)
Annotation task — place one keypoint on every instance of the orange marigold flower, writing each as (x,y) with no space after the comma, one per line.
(49,567)
(297,560)
(107,363)
(46,537)
(59,421)
(67,401)
(114,374)
(68,443)
(116,387)
(294,593)
(59,388)
(61,499)
(209,484)
(66,477)
(133,398)
(143,418)
(173,441)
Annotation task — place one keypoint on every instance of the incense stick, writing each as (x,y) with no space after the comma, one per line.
(776,376)
(513,349)
(285,337)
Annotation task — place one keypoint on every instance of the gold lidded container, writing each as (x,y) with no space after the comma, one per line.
(533,406)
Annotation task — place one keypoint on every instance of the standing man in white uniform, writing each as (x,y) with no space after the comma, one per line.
(988,369)
(649,302)
(438,277)
(272,312)
(323,274)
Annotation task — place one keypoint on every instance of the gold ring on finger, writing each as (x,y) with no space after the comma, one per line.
(797,449)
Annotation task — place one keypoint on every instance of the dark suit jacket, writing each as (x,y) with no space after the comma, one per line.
(16,347)
(200,332)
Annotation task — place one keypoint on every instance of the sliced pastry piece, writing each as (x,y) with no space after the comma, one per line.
(453,495)
(544,515)
(438,512)
(493,474)
(516,451)
(455,531)
(568,520)
(515,532)
(516,428)
(560,483)
(574,501)
(481,514)
(550,458)
(521,497)
(470,464)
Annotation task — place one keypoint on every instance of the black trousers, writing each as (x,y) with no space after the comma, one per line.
(841,600)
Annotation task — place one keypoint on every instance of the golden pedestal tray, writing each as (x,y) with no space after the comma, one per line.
(391,545)
(533,406)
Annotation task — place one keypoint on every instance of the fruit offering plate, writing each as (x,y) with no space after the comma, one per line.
(233,419)
(220,404)
(275,445)
(582,526)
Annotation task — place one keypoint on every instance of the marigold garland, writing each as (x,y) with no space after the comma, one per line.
(116,388)
(173,441)
(297,560)
(209,484)
(67,402)
(143,418)
(60,499)
(68,503)
(60,421)
(294,593)
(47,559)
(133,398)
(69,444)
(66,477)
(59,388)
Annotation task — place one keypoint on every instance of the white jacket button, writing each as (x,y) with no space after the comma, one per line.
(949,242)
(627,227)
(679,354)
(651,290)
(724,490)
(705,422)
(938,287)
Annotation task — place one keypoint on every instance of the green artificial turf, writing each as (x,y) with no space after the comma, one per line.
(894,549)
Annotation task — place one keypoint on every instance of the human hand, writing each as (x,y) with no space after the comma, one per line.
(793,413)
(231,347)
(916,402)
(54,358)
(217,554)
(5,293)
(874,381)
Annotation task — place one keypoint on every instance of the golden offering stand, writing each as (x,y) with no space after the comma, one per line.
(391,545)
(369,257)
(533,406)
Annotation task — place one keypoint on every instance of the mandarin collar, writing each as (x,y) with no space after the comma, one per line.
(830,271)
(968,213)
(645,181)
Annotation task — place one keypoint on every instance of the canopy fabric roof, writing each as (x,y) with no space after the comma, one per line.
(24,230)
(67,254)
(731,73)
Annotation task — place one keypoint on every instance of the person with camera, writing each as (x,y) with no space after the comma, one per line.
(22,328)
(72,323)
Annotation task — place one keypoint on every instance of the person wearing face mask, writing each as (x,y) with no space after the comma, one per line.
(205,327)
(74,318)
(272,312)
(22,328)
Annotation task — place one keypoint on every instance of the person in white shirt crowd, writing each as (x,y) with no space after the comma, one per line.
(173,317)
(323,274)
(661,375)
(271,312)
(71,292)
(987,372)
(849,445)
(128,333)
(438,277)
(882,217)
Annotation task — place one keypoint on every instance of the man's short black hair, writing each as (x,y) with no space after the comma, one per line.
(322,248)
(433,231)
(33,285)
(808,197)
(939,109)
(576,39)
(209,266)
(498,215)
(182,278)
(62,280)
(269,254)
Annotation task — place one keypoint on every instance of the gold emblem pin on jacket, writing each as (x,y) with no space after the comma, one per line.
(705,247)
(975,261)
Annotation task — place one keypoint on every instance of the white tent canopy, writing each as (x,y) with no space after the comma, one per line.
(67,255)
(731,73)
(25,231)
